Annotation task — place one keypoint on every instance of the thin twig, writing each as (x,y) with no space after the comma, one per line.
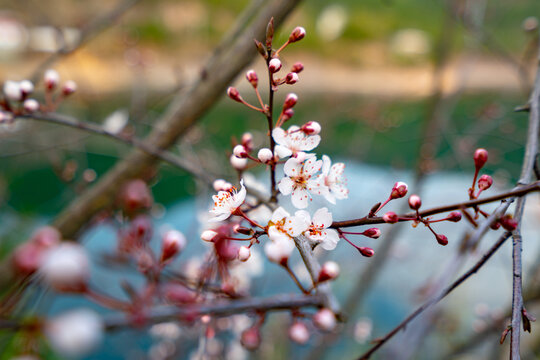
(436,299)
(516,192)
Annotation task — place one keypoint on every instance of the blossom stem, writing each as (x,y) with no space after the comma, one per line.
(295,278)
(106,301)
(269,117)
(239,212)
(259,97)
(281,48)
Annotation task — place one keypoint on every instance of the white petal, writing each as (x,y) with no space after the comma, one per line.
(303,214)
(339,191)
(292,167)
(322,217)
(279,214)
(326,165)
(311,166)
(240,196)
(275,235)
(282,151)
(331,240)
(279,135)
(299,198)
(329,196)
(220,217)
(285,186)
(311,142)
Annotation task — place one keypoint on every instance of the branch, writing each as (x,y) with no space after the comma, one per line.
(518,191)
(181,114)
(218,309)
(436,299)
(526,173)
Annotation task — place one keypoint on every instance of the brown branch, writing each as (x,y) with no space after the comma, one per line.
(218,309)
(518,191)
(529,160)
(181,114)
(436,299)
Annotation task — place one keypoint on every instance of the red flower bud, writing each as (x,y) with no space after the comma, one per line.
(172,243)
(247,141)
(251,76)
(373,233)
(329,271)
(454,216)
(136,196)
(274,65)
(290,101)
(240,151)
(287,114)
(299,333)
(508,223)
(297,67)
(480,158)
(251,338)
(311,128)
(291,78)
(415,202)
(485,182)
(366,251)
(233,93)
(399,190)
(390,217)
(442,239)
(297,34)
(242,230)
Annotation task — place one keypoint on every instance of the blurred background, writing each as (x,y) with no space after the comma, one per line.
(404,90)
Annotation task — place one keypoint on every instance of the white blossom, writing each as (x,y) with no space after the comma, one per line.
(12,90)
(75,333)
(293,141)
(300,180)
(226,202)
(65,266)
(318,230)
(332,183)
(281,228)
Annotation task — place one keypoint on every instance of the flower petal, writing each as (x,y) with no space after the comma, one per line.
(279,214)
(292,167)
(322,217)
(285,186)
(331,240)
(282,151)
(299,198)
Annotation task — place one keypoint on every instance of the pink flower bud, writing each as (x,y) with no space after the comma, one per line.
(27,257)
(172,243)
(390,217)
(238,163)
(442,239)
(31,105)
(135,196)
(265,155)
(287,114)
(251,338)
(485,182)
(51,79)
(233,93)
(454,216)
(290,101)
(366,251)
(324,319)
(274,65)
(329,271)
(12,90)
(26,87)
(311,128)
(240,151)
(399,190)
(291,78)
(247,141)
(480,158)
(299,333)
(508,222)
(415,202)
(373,233)
(69,87)
(297,67)
(251,76)
(297,34)
(243,253)
(208,235)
